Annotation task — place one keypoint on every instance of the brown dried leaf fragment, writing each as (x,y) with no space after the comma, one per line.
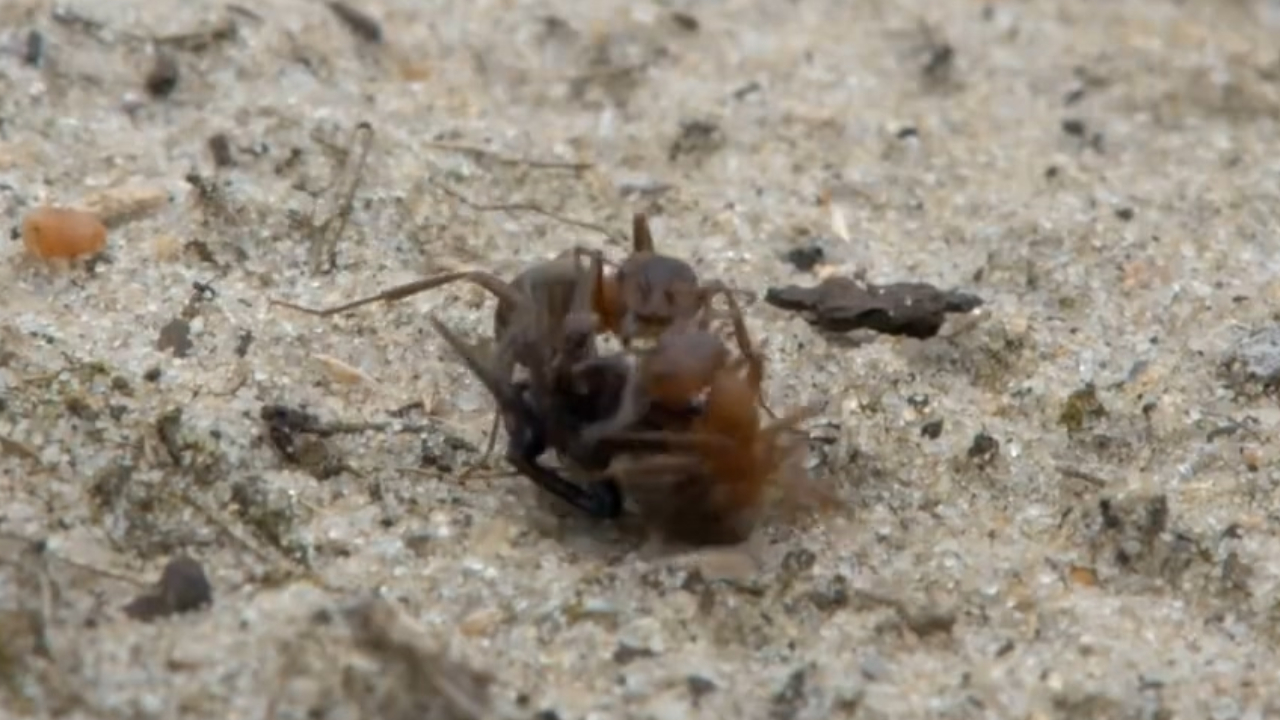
(841,304)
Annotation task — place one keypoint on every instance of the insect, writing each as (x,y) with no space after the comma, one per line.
(672,378)
(703,479)
(648,292)
(533,305)
(567,387)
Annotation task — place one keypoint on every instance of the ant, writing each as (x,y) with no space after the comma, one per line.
(534,305)
(717,462)
(647,293)
(672,377)
(546,409)
(650,291)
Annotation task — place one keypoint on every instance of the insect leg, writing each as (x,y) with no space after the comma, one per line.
(401,292)
(755,362)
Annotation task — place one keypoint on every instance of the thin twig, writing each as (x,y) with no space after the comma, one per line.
(352,428)
(324,244)
(509,160)
(1076,473)
(39,549)
(526,207)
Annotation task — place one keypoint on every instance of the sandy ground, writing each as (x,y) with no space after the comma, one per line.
(1062,509)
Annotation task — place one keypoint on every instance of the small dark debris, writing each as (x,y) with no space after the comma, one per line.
(790,699)
(685,21)
(80,408)
(202,252)
(286,428)
(203,291)
(290,162)
(1074,96)
(806,257)
(175,336)
(1125,213)
(1082,408)
(798,561)
(918,401)
(840,304)
(1074,127)
(163,77)
(1157,515)
(33,52)
(1111,520)
(984,448)
(831,594)
(360,23)
(220,149)
(183,587)
(243,340)
(930,622)
(932,429)
(443,451)
(547,715)
(207,191)
(747,90)
(419,543)
(628,653)
(284,424)
(696,138)
(318,459)
(939,62)
(94,264)
(169,430)
(907,132)
(1222,431)
(699,687)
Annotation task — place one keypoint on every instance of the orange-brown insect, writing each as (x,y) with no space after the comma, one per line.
(60,233)
(672,378)
(703,480)
(650,290)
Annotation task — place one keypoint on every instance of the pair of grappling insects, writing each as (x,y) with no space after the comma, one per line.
(676,426)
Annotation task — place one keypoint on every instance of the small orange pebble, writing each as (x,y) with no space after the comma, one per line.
(63,233)
(1082,576)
